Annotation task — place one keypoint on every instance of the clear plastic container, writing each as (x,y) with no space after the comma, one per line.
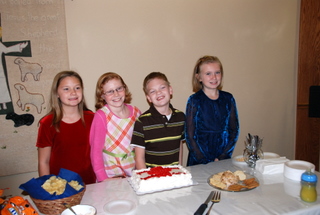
(308,191)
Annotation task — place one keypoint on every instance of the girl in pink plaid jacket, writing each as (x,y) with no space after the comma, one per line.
(111,129)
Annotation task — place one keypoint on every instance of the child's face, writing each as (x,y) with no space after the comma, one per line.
(70,91)
(114,93)
(210,76)
(158,92)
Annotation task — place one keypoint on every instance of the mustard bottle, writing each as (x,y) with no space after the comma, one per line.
(308,191)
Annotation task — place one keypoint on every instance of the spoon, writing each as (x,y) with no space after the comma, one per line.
(70,208)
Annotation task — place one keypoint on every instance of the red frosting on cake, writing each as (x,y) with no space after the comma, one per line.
(160,171)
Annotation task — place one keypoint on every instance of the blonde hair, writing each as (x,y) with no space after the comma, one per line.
(152,76)
(55,102)
(100,102)
(196,84)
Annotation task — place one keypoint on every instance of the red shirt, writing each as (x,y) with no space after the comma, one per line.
(70,148)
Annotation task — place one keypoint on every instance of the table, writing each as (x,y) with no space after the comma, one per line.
(275,195)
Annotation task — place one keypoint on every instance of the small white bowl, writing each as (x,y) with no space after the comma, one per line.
(81,210)
(239,161)
(293,169)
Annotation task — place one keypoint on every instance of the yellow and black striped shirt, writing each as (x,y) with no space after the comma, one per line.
(159,136)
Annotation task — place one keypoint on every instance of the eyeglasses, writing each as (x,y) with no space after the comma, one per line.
(111,92)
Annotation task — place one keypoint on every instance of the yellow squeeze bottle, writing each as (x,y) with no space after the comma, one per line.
(308,191)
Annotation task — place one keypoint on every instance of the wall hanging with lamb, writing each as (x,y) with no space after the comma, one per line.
(26,68)
(25,97)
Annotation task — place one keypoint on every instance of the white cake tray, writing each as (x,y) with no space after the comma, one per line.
(160,190)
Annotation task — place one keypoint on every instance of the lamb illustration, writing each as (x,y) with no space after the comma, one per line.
(28,68)
(26,97)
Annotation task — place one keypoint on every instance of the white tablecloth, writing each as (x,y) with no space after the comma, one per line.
(275,195)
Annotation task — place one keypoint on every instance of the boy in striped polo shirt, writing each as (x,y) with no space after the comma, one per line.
(158,132)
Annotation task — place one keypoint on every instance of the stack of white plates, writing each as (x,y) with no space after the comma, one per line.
(293,169)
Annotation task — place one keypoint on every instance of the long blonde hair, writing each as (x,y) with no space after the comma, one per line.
(100,102)
(55,103)
(196,84)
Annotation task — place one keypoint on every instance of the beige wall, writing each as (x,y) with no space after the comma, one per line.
(256,40)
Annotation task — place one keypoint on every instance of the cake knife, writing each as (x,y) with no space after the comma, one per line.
(203,206)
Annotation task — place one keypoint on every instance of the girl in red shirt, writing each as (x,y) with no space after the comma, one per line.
(63,136)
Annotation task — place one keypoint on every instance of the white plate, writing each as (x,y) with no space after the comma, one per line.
(239,161)
(268,155)
(240,183)
(119,207)
(80,209)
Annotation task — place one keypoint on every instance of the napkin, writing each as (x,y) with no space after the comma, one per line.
(271,166)
(33,186)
